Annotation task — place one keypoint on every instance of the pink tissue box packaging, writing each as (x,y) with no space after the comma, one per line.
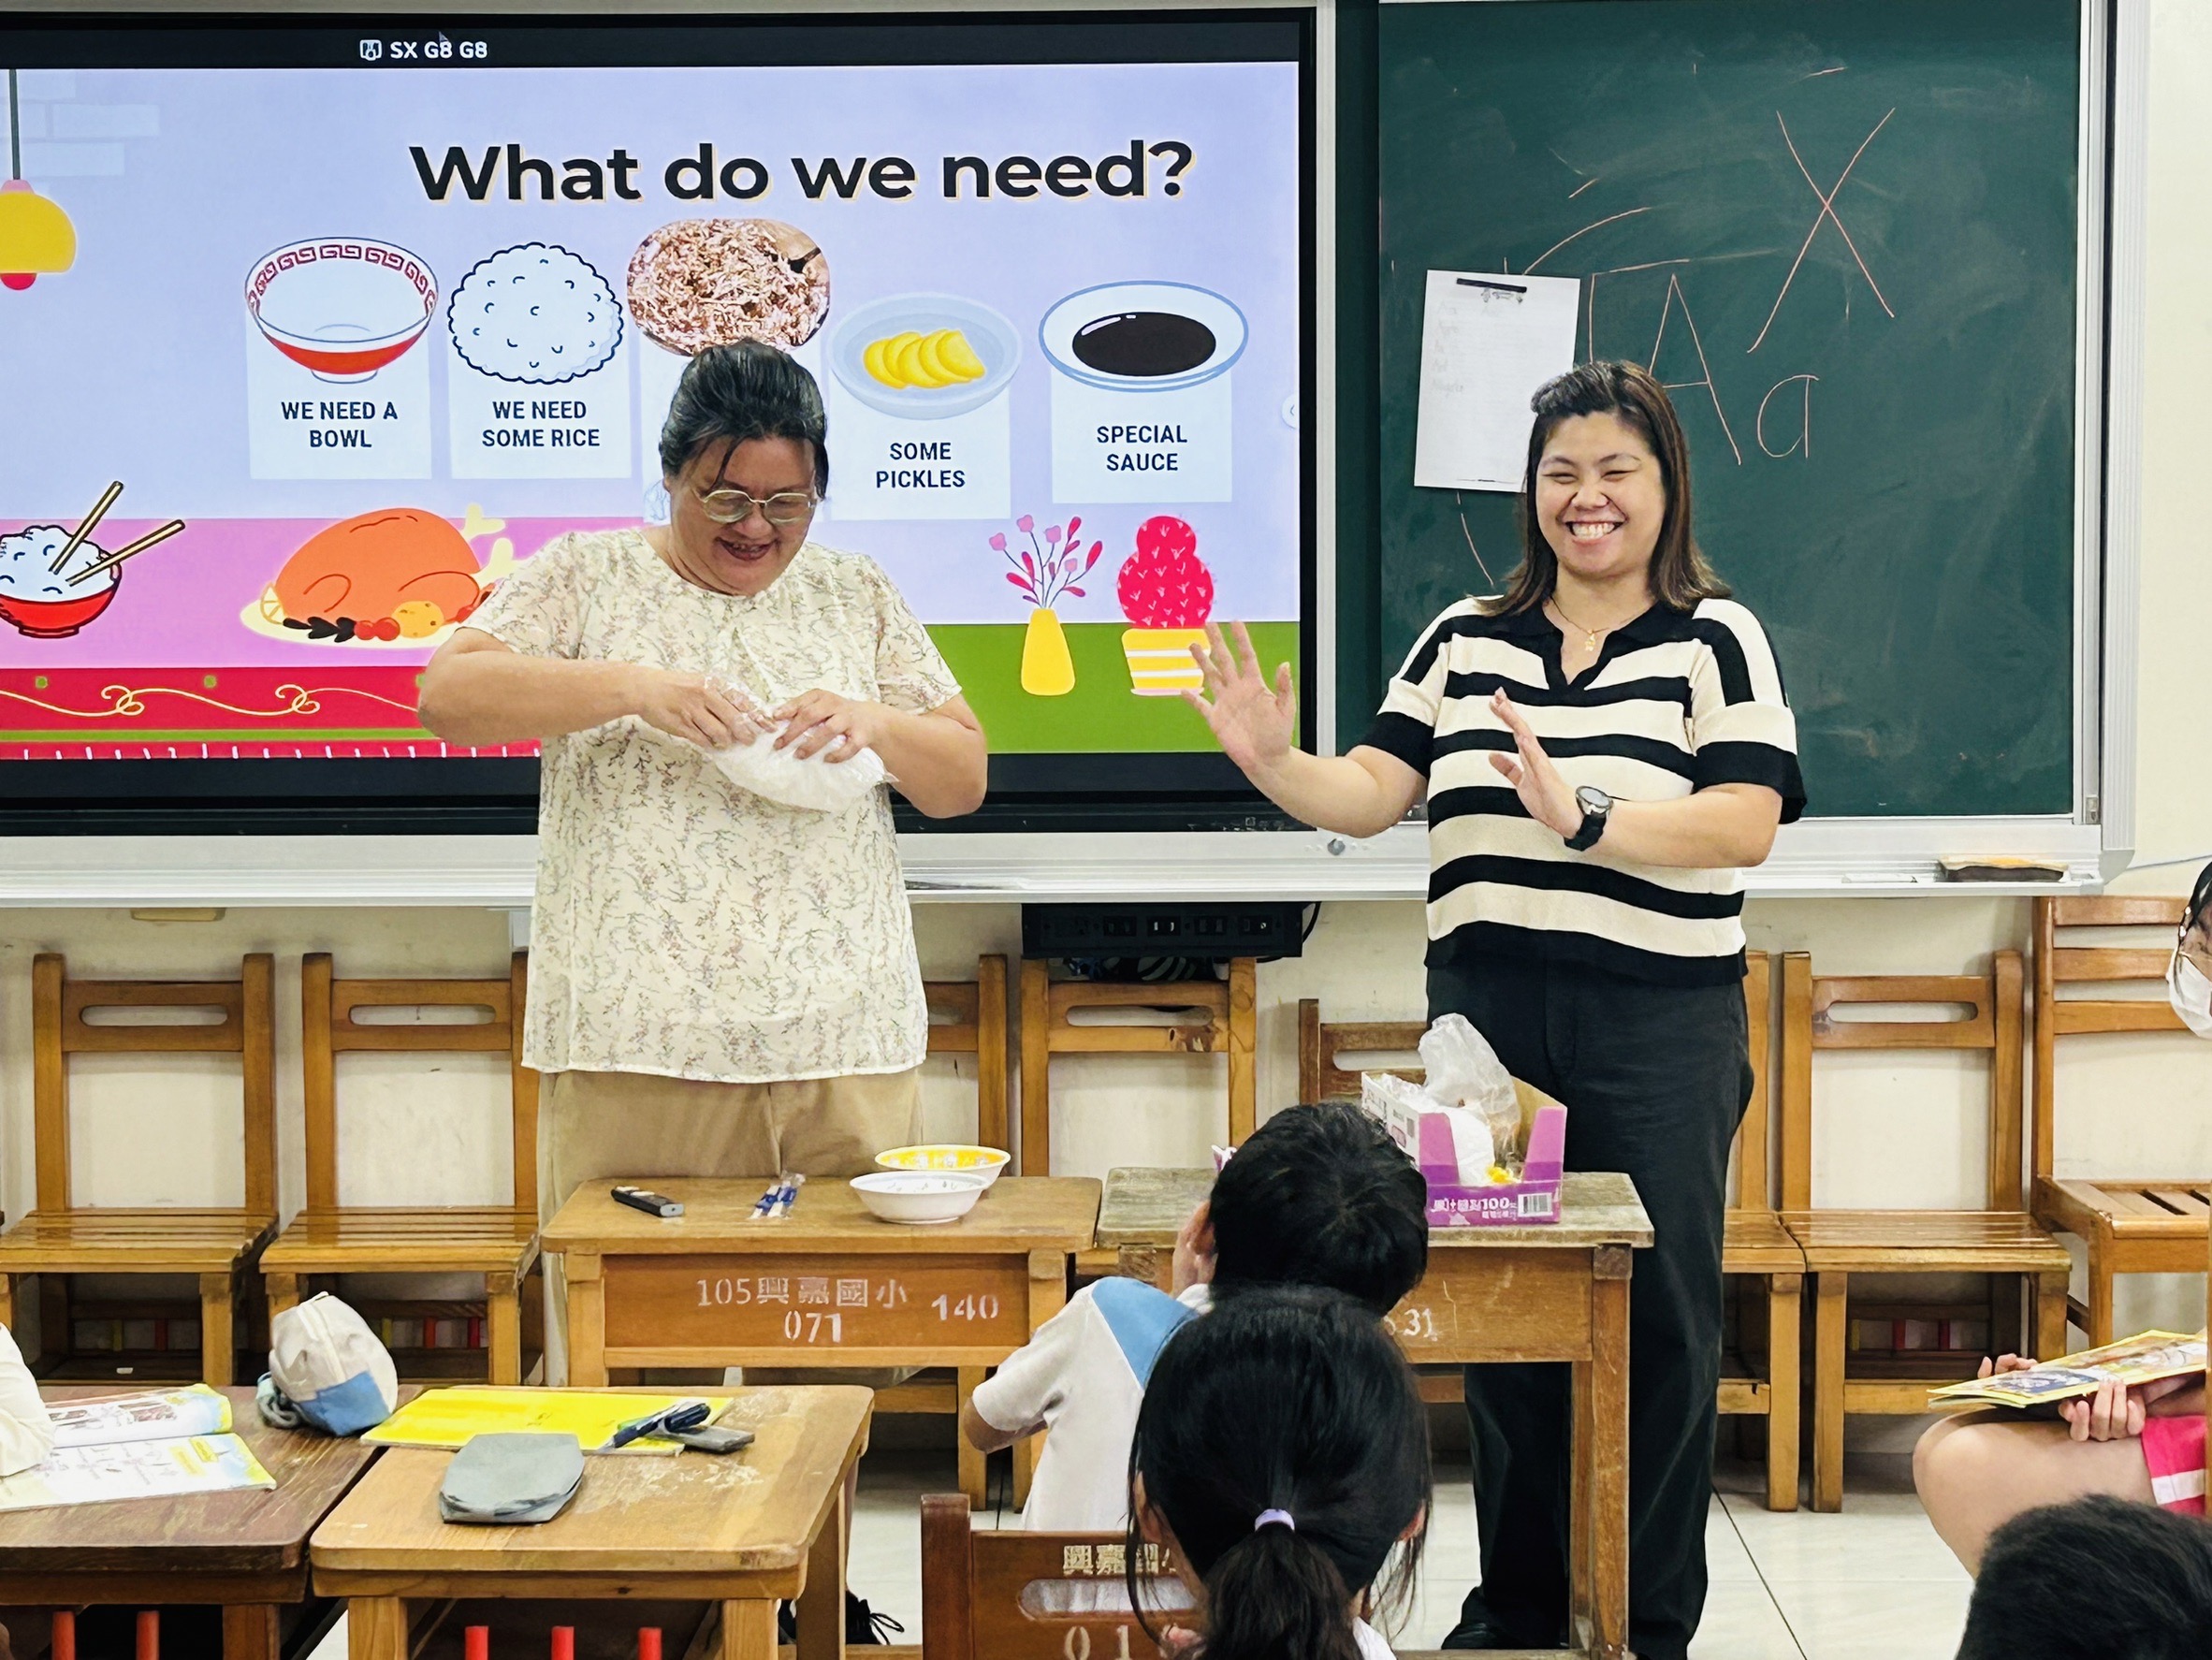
(1427,1137)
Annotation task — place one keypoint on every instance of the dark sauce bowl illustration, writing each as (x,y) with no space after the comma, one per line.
(1143,336)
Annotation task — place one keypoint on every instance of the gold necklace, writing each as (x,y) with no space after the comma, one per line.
(1590,634)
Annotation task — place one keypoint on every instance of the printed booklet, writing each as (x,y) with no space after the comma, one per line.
(2142,1359)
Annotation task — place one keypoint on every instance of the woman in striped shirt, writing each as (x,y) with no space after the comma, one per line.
(1602,749)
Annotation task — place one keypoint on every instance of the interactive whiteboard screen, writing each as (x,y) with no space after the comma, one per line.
(359,318)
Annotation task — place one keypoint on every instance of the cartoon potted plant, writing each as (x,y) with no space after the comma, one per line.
(1167,593)
(1047,572)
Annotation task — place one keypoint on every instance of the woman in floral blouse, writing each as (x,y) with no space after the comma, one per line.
(720,985)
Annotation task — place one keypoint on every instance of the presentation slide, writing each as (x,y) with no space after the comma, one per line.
(302,362)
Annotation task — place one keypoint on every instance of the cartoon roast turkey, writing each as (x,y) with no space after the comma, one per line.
(398,573)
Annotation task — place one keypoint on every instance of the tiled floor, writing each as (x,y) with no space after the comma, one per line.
(1873,1583)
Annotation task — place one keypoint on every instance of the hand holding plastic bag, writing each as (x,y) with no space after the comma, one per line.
(815,785)
(1464,1070)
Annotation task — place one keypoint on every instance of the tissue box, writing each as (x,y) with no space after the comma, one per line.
(1426,1136)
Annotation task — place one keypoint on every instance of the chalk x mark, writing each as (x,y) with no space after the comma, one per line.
(1828,215)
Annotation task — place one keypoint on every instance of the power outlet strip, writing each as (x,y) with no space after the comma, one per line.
(1163,928)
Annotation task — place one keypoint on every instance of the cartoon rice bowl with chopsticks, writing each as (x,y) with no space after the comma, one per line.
(55,580)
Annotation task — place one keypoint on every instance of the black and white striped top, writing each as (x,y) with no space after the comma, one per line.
(1675,703)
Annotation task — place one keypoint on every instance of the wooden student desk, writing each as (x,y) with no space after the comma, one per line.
(244,1550)
(1555,1292)
(828,1286)
(746,1529)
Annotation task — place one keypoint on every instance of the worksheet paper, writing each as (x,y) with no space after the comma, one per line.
(149,1414)
(1488,342)
(135,1470)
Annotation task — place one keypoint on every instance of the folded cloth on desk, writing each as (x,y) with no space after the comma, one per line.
(509,1480)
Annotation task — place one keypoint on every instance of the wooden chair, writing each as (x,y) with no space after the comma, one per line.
(60,1237)
(976,1025)
(498,1242)
(1999,1239)
(1758,1252)
(2137,1225)
(1756,1246)
(985,1591)
(1221,1019)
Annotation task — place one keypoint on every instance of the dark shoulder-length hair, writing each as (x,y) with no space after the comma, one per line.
(1679,575)
(731,394)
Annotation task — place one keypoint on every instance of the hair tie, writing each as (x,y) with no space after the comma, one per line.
(1265,1517)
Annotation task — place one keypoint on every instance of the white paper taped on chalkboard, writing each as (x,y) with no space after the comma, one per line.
(1488,342)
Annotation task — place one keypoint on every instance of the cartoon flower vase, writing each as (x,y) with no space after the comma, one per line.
(1167,593)
(1046,572)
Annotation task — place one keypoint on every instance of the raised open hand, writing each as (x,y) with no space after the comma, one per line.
(1549,798)
(1251,721)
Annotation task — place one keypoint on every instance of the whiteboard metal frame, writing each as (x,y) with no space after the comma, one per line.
(1819,857)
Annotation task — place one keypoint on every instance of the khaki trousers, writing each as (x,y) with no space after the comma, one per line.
(636,1126)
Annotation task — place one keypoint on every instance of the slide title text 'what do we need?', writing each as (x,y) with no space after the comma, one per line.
(509,172)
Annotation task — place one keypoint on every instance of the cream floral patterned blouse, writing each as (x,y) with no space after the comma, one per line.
(685,926)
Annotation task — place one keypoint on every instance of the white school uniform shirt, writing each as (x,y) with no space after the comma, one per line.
(26,1433)
(1372,1646)
(1083,1376)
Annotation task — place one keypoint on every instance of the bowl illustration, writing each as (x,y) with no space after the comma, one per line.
(536,314)
(341,307)
(1143,336)
(960,337)
(41,602)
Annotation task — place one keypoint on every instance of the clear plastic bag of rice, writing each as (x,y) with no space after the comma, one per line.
(815,785)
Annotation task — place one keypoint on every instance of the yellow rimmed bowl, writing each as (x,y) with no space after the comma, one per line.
(987,1163)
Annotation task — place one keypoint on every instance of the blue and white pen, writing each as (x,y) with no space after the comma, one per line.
(766,1203)
(784,1200)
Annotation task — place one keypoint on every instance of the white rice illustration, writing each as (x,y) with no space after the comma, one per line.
(26,565)
(537,314)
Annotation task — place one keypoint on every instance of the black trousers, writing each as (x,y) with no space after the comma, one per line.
(1655,1080)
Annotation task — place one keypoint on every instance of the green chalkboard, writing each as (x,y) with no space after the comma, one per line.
(1913,558)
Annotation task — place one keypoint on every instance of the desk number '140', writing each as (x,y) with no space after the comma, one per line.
(970,1307)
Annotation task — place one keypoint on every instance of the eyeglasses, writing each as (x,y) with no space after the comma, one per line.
(730,507)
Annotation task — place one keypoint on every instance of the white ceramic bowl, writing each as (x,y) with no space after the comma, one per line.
(920,1195)
(962,1157)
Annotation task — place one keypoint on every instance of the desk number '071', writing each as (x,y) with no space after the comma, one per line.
(970,1307)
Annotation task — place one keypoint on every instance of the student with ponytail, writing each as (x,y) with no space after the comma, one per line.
(1282,1458)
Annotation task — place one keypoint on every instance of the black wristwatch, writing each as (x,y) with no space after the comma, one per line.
(1596,807)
